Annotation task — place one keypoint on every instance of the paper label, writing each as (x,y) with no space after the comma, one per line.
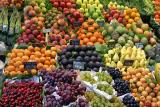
(30,65)
(78,65)
(128,62)
(101,23)
(46,30)
(75,42)
(139,45)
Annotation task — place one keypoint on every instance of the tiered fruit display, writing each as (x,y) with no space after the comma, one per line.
(106,88)
(99,101)
(64,84)
(32,33)
(62,4)
(157,11)
(44,58)
(89,33)
(117,56)
(74,16)
(85,54)
(21,94)
(143,86)
(130,101)
(50,16)
(91,8)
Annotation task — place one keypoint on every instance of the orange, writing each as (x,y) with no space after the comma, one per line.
(53,49)
(136,19)
(37,59)
(53,67)
(90,43)
(25,72)
(100,40)
(39,66)
(11,62)
(6,73)
(93,39)
(31,48)
(11,68)
(47,62)
(12,55)
(53,61)
(82,36)
(32,57)
(81,42)
(126,17)
(27,52)
(48,53)
(20,54)
(128,26)
(17,63)
(33,71)
(85,40)
(131,21)
(19,73)
(134,9)
(37,49)
(133,14)
(45,66)
(25,58)
(42,59)
(17,59)
(43,50)
(89,34)
(137,14)
(53,54)
(47,58)
(37,54)
(21,67)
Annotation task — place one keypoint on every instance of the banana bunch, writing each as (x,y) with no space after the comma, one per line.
(117,57)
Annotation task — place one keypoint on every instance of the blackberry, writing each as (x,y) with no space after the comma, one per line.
(130,101)
(121,86)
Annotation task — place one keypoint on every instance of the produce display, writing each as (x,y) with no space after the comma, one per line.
(79,53)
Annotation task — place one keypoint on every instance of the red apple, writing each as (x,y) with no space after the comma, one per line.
(56,4)
(62,4)
(120,20)
(68,4)
(81,20)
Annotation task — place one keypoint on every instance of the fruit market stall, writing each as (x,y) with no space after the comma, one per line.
(79,53)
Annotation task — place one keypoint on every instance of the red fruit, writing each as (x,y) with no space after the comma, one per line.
(63,42)
(120,20)
(68,4)
(67,37)
(76,14)
(72,10)
(28,31)
(31,13)
(81,20)
(52,1)
(62,4)
(54,43)
(73,36)
(40,38)
(110,18)
(73,5)
(31,36)
(24,36)
(56,4)
(33,27)
(116,15)
(35,32)
(72,20)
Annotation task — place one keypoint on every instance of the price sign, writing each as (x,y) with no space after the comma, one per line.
(46,30)
(75,42)
(78,65)
(139,45)
(77,24)
(128,62)
(151,68)
(5,28)
(101,23)
(30,65)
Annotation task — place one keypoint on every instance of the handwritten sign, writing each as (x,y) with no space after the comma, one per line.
(101,23)
(151,68)
(30,65)
(46,30)
(78,65)
(139,45)
(75,42)
(128,62)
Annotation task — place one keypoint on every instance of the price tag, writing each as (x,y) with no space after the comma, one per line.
(139,45)
(4,28)
(46,30)
(77,24)
(101,23)
(30,65)
(78,65)
(75,42)
(128,62)
(151,68)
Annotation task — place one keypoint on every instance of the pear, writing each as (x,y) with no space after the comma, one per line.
(79,2)
(115,57)
(88,5)
(91,1)
(81,10)
(113,64)
(119,65)
(85,1)
(83,6)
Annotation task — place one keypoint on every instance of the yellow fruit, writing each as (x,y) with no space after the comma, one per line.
(13,73)
(37,49)
(39,66)
(33,71)
(30,48)
(54,54)
(53,49)
(47,53)
(37,54)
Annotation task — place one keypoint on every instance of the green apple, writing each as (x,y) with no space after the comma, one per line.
(98,11)
(81,10)
(100,6)
(42,5)
(86,10)
(97,2)
(44,9)
(91,1)
(95,15)
(87,14)
(94,5)
(79,1)
(83,6)
(118,7)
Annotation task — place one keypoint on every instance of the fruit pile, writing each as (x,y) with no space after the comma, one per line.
(45,59)
(21,94)
(157,11)
(64,84)
(50,15)
(11,3)
(98,101)
(85,54)
(89,33)
(143,87)
(117,58)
